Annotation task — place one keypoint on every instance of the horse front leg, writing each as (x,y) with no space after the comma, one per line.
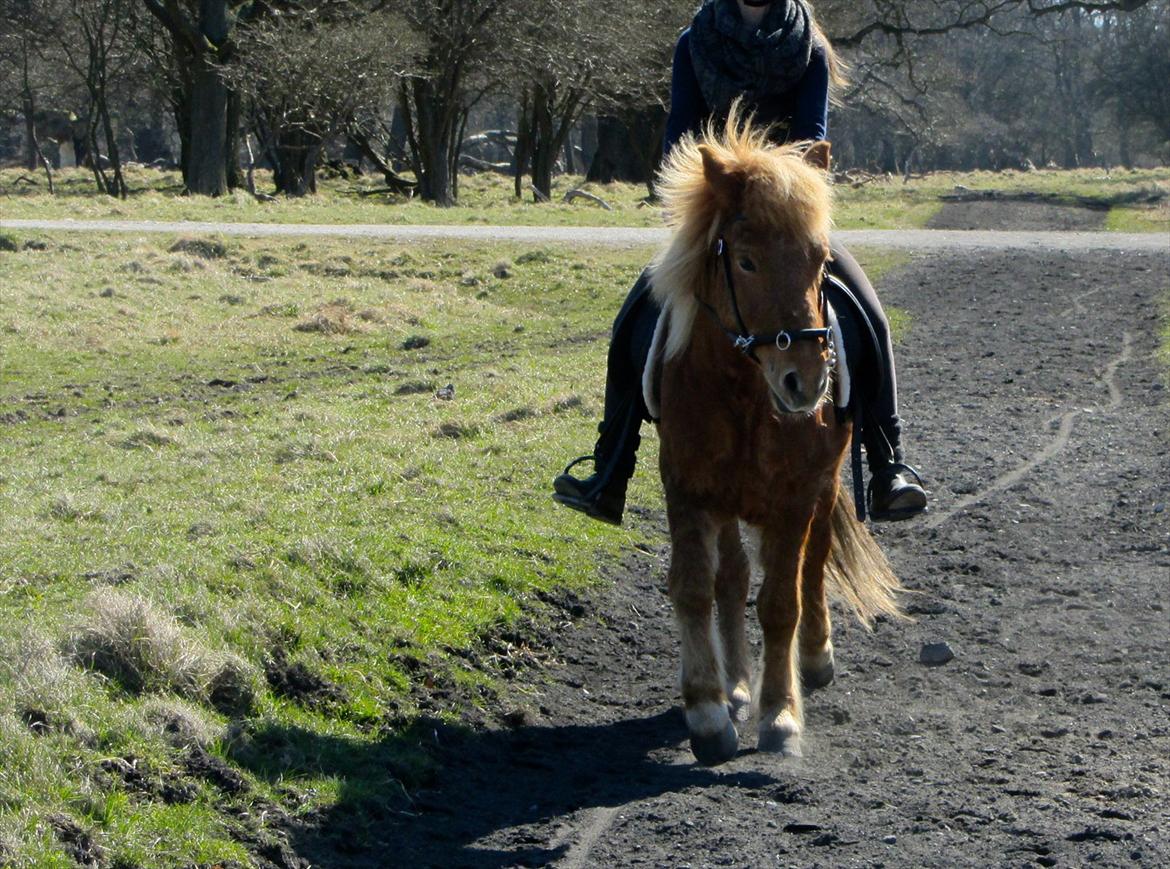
(692,591)
(781,714)
(731,592)
(816,627)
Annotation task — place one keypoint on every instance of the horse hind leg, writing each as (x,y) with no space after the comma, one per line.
(692,592)
(816,628)
(732,581)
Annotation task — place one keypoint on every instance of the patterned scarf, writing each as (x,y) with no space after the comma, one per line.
(735,59)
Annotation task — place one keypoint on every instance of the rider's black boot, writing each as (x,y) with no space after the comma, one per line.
(895,492)
(591,495)
(602,495)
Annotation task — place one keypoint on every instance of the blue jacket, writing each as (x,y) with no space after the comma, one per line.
(805,108)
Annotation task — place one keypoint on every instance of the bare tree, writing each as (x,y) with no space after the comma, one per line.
(309,73)
(461,42)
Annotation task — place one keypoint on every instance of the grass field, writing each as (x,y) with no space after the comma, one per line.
(488,199)
(248,541)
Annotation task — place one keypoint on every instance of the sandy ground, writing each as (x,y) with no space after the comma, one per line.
(1040,420)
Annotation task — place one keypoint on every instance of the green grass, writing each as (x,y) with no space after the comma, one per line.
(219,462)
(888,203)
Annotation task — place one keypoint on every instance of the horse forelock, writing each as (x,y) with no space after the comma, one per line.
(782,196)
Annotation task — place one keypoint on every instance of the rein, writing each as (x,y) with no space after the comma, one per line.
(746,341)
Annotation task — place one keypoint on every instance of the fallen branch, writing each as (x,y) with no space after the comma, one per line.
(484,165)
(581,194)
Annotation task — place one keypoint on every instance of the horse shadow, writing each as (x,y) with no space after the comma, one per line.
(508,786)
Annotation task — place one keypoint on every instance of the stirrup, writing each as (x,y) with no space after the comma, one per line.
(589,458)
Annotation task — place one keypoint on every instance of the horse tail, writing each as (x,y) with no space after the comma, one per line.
(857,570)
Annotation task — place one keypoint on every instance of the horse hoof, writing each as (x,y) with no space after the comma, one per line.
(817,670)
(813,678)
(717,748)
(781,737)
(739,705)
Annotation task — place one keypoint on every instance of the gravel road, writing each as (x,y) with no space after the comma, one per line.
(906,239)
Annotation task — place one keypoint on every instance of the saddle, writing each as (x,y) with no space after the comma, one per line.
(859,355)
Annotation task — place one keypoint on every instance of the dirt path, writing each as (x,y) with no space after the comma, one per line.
(1041,423)
(906,239)
(1018,216)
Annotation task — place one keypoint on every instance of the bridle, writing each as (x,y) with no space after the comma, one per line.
(745,340)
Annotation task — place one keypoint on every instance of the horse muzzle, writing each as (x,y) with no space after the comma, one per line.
(796,393)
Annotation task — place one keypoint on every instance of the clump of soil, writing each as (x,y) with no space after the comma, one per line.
(415,387)
(416,342)
(147,439)
(77,841)
(200,764)
(204,248)
(294,680)
(456,430)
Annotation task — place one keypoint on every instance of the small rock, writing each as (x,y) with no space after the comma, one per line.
(107,293)
(1032,668)
(1054,732)
(890,840)
(469,279)
(446,393)
(935,654)
(801,827)
(1094,697)
(1159,508)
(502,269)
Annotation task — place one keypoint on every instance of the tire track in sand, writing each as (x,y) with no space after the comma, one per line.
(1059,442)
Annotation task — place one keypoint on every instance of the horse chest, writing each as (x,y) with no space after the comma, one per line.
(739,457)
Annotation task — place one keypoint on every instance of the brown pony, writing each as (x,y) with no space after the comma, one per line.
(749,435)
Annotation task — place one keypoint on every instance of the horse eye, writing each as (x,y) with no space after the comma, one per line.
(747,265)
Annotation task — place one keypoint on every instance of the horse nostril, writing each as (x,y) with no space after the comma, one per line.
(792,383)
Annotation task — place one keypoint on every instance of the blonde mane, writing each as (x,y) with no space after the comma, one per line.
(782,194)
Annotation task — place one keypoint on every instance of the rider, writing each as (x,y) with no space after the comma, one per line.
(717,59)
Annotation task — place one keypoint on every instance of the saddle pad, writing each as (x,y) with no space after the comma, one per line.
(652,370)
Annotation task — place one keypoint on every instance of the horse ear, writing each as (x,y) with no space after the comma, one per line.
(725,184)
(817,154)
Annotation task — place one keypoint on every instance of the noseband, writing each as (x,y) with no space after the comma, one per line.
(746,341)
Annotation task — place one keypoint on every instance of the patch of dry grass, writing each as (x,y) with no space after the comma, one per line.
(143,649)
(333,318)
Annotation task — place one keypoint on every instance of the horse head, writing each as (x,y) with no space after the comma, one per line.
(751,241)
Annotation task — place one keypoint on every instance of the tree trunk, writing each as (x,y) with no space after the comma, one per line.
(30,130)
(205,171)
(523,151)
(206,168)
(235,176)
(431,143)
(628,149)
(295,163)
